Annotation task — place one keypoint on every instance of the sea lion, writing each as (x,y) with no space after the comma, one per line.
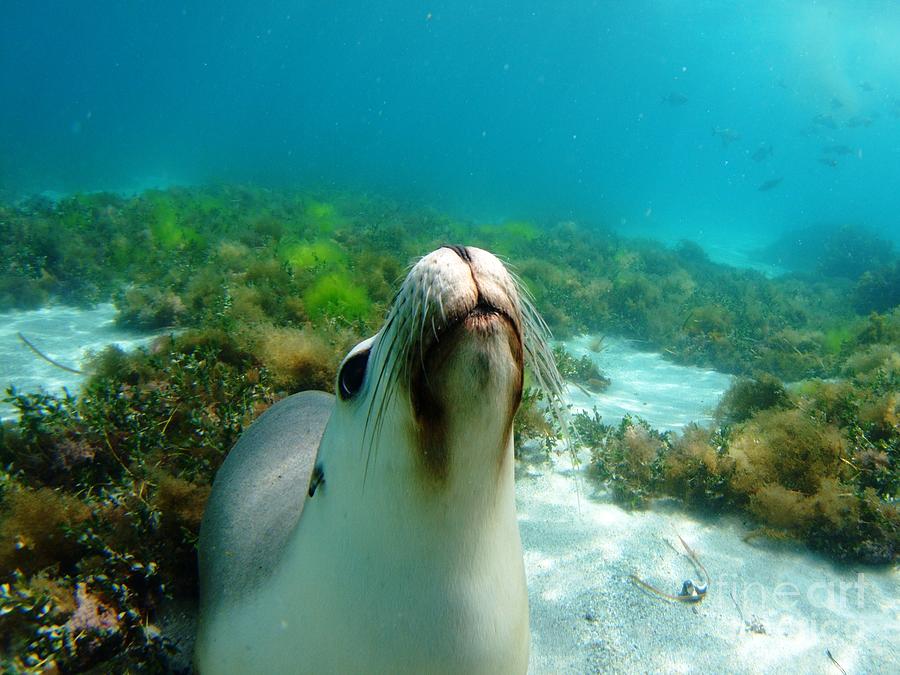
(375,530)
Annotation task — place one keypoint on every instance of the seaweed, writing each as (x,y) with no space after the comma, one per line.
(787,448)
(336,295)
(878,290)
(697,468)
(32,528)
(842,251)
(820,465)
(628,456)
(190,256)
(582,371)
(319,254)
(746,397)
(104,493)
(297,359)
(533,423)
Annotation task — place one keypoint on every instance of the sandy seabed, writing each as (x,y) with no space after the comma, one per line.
(770,608)
(66,334)
(588,616)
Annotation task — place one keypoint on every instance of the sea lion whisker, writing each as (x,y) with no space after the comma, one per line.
(423,312)
(373,359)
(387,367)
(396,365)
(536,342)
(421,342)
(389,332)
(440,301)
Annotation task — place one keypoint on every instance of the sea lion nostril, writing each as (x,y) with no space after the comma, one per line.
(461,251)
(484,307)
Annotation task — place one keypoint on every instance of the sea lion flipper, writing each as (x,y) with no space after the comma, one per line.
(259,493)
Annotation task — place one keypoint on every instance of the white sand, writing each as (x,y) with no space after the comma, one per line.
(587,616)
(667,395)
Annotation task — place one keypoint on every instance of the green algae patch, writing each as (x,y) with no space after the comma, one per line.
(336,295)
(510,236)
(314,255)
(835,339)
(323,217)
(167,232)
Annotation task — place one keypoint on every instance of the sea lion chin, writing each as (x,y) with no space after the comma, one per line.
(375,530)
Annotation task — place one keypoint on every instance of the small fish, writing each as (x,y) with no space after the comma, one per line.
(824,120)
(859,121)
(770,184)
(727,135)
(675,98)
(764,151)
(865,85)
(838,150)
(836,103)
(828,161)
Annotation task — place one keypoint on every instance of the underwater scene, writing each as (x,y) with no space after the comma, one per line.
(604,297)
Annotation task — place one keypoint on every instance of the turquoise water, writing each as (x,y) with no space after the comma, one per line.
(662,118)
(737,125)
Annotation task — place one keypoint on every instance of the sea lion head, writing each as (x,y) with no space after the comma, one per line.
(442,380)
(406,545)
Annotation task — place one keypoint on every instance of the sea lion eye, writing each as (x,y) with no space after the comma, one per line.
(352,375)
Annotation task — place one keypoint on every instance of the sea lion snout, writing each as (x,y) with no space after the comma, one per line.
(458,282)
(465,355)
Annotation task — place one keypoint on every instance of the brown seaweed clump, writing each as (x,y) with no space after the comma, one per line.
(786,448)
(697,467)
(819,465)
(297,358)
(32,524)
(800,476)
(627,457)
(746,397)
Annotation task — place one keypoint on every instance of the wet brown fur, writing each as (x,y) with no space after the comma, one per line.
(430,415)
